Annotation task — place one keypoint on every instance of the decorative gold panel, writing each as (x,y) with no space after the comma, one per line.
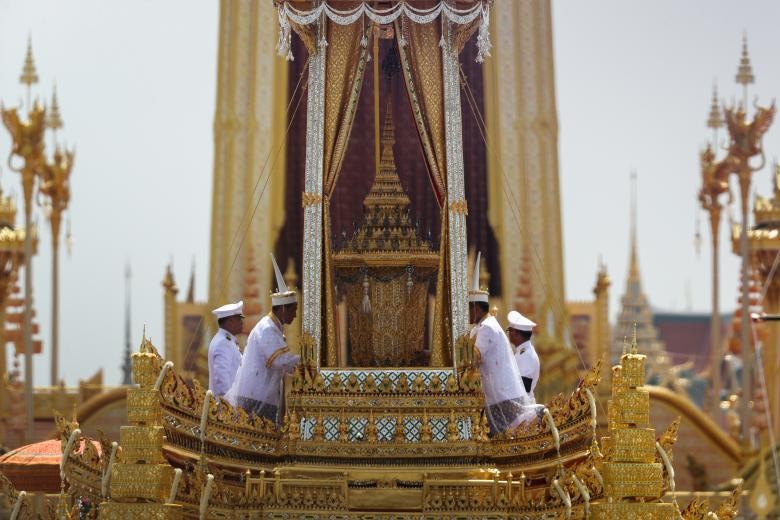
(632,479)
(143,406)
(145,481)
(142,444)
(631,408)
(118,511)
(624,510)
(633,370)
(632,445)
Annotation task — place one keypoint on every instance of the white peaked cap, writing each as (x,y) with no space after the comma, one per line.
(519,322)
(476,294)
(230,309)
(283,295)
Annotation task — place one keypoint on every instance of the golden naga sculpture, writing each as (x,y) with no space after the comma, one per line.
(27,135)
(746,136)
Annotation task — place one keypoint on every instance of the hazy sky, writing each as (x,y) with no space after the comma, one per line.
(136,84)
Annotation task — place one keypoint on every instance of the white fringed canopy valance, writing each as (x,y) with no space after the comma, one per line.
(289,13)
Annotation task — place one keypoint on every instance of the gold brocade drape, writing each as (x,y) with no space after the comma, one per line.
(392,334)
(421,62)
(344,70)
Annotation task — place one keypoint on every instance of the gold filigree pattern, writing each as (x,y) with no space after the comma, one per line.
(310,199)
(459,206)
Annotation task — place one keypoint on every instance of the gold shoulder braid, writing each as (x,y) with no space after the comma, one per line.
(278,352)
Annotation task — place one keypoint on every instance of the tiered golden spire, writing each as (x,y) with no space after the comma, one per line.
(715,118)
(387,226)
(54,120)
(142,482)
(745,74)
(29,75)
(387,189)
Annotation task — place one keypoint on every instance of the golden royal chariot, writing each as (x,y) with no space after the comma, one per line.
(376,436)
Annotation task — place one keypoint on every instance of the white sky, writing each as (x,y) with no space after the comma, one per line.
(136,84)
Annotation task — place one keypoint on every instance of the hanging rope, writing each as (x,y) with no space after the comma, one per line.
(265,174)
(515,211)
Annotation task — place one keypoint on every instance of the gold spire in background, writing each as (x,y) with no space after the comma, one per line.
(745,75)
(54,119)
(715,119)
(29,75)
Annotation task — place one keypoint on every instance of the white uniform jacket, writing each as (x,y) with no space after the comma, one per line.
(500,378)
(224,359)
(528,365)
(267,358)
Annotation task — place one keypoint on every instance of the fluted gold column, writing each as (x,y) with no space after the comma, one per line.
(523,146)
(249,128)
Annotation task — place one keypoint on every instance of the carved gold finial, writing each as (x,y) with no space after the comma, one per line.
(29,74)
(7,211)
(633,342)
(625,346)
(54,121)
(715,119)
(745,75)
(343,427)
(426,433)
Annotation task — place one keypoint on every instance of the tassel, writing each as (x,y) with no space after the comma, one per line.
(283,47)
(442,43)
(483,38)
(402,41)
(323,42)
(364,39)
(366,300)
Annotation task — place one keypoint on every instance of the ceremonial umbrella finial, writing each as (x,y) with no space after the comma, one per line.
(29,75)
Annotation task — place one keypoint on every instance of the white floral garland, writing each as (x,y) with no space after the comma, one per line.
(383,16)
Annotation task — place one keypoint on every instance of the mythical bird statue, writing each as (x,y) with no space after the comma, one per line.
(746,136)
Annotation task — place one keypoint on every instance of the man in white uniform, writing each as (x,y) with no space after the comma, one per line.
(505,397)
(520,331)
(224,354)
(258,386)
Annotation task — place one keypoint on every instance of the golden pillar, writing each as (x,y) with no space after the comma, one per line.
(714,185)
(764,244)
(11,257)
(602,336)
(55,185)
(745,144)
(522,156)
(28,149)
(173,347)
(249,131)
